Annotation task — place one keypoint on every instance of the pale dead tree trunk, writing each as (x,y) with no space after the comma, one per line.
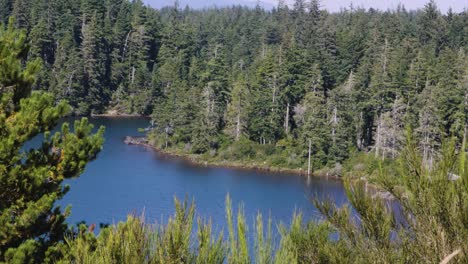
(385,57)
(359,131)
(379,137)
(286,121)
(462,172)
(241,65)
(383,151)
(431,158)
(274,97)
(448,258)
(280,60)
(274,89)
(309,163)
(417,74)
(238,125)
(83,22)
(466,102)
(212,105)
(133,74)
(334,122)
(167,130)
(384,135)
(380,142)
(126,45)
(70,82)
(426,149)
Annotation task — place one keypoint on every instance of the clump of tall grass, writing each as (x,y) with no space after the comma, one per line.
(431,227)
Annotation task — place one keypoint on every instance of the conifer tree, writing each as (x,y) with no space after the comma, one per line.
(237,109)
(31,225)
(6,7)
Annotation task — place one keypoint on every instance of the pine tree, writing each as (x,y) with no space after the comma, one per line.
(310,116)
(92,65)
(237,109)
(265,112)
(31,226)
(341,115)
(429,131)
(6,6)
(431,29)
(22,12)
(67,73)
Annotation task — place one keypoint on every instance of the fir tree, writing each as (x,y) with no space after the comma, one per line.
(32,227)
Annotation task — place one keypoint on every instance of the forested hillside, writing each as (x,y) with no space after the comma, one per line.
(293,78)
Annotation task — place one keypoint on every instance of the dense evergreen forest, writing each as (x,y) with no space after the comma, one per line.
(286,83)
(293,78)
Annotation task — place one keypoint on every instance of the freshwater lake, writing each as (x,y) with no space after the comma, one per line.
(135,180)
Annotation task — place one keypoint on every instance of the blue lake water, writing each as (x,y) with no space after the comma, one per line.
(134,179)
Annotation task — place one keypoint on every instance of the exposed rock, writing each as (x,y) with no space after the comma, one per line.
(135,140)
(383,195)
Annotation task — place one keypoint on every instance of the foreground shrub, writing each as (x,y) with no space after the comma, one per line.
(430,225)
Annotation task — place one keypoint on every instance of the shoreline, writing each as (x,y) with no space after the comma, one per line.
(110,115)
(143,141)
(376,191)
(117,114)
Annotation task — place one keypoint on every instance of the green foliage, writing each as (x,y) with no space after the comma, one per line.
(31,225)
(263,242)
(15,78)
(248,86)
(431,224)
(342,81)
(238,248)
(134,241)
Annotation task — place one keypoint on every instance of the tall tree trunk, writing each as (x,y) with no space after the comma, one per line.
(286,121)
(309,161)
(426,150)
(334,124)
(379,137)
(238,125)
(359,131)
(385,58)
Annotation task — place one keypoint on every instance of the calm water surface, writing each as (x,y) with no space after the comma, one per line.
(134,179)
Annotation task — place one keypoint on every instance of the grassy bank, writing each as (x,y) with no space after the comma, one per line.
(244,155)
(277,159)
